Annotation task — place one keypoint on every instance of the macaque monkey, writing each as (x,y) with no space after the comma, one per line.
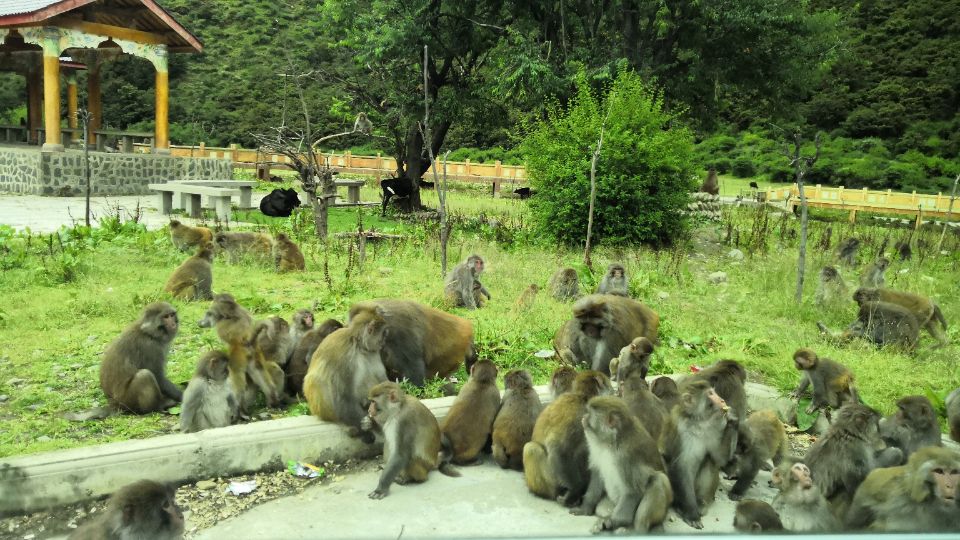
(694,449)
(831,290)
(643,404)
(601,326)
(271,340)
(927,314)
(518,413)
(921,496)
(240,244)
(133,370)
(345,366)
(562,380)
(362,124)
(882,324)
(302,322)
(462,286)
(903,250)
(193,279)
(555,460)
(526,299)
(873,274)
(953,414)
(469,422)
(711,185)
(667,391)
(626,465)
(185,237)
(847,251)
(411,447)
(565,285)
(727,378)
(286,255)
(615,281)
(143,509)
(913,426)
(800,504)
(633,357)
(761,438)
(753,516)
(833,384)
(209,401)
(296,368)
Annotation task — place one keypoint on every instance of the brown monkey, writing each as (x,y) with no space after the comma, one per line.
(462,280)
(422,341)
(873,274)
(565,285)
(831,289)
(133,371)
(193,279)
(527,297)
(286,255)
(411,447)
(921,496)
(615,281)
(185,237)
(880,323)
(953,414)
(753,516)
(927,313)
(362,124)
(555,459)
(847,251)
(761,438)
(345,366)
(601,326)
(238,244)
(694,449)
(271,340)
(643,404)
(633,357)
(626,465)
(711,185)
(833,384)
(800,504)
(301,323)
(518,413)
(913,426)
(209,401)
(847,452)
(562,380)
(296,368)
(727,378)
(667,391)
(469,421)
(143,509)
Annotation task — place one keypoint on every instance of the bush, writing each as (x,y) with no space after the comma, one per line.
(644,174)
(743,167)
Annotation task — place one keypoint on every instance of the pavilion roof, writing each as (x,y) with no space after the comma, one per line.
(135,15)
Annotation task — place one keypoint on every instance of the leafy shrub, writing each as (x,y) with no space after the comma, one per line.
(743,167)
(644,173)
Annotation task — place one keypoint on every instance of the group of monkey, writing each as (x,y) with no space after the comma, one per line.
(647,447)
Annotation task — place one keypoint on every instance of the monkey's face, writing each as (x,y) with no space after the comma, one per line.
(801,475)
(170,322)
(803,361)
(210,318)
(306,321)
(477,266)
(716,401)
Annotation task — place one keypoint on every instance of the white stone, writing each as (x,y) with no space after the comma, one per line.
(735,254)
(717,277)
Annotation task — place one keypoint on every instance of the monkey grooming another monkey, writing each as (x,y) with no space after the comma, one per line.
(831,289)
(296,368)
(913,426)
(833,384)
(133,370)
(626,465)
(555,459)
(301,323)
(643,404)
(562,380)
(753,516)
(873,275)
(565,285)
(271,340)
(185,237)
(345,366)
(463,281)
(209,401)
(927,314)
(193,279)
(667,391)
(286,255)
(615,281)
(921,496)
(847,251)
(411,447)
(761,438)
(953,414)
(518,413)
(800,504)
(469,422)
(240,244)
(881,323)
(143,509)
(633,357)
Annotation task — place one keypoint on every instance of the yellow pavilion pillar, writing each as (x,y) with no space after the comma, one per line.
(51,90)
(162,94)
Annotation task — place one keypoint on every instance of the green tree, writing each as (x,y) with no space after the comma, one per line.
(644,173)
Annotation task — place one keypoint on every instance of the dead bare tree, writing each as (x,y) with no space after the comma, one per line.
(593,190)
(84,116)
(441,187)
(801,165)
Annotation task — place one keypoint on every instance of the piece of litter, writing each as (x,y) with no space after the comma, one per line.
(242,488)
(305,470)
(544,353)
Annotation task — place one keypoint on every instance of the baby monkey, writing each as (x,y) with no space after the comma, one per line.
(833,384)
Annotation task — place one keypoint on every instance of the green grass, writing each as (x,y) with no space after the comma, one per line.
(64,305)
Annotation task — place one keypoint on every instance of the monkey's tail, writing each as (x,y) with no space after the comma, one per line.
(939,315)
(96,413)
(446,456)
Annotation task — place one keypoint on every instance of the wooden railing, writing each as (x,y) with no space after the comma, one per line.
(854,200)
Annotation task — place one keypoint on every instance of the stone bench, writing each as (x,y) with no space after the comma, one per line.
(245,187)
(219,198)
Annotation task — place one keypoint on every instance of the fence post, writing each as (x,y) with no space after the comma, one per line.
(203,147)
(234,152)
(466,167)
(379,166)
(346,160)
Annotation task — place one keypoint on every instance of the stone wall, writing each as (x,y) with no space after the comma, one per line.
(29,171)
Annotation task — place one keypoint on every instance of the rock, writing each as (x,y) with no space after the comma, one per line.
(384,271)
(717,277)
(663,295)
(16,382)
(76,366)
(735,254)
(206,484)
(44,438)
(4,398)
(33,407)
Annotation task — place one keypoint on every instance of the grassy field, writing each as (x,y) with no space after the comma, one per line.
(69,295)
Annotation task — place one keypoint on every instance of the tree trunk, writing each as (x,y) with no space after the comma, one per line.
(417,160)
(802,257)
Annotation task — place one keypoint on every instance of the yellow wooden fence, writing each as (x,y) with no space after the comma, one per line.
(855,200)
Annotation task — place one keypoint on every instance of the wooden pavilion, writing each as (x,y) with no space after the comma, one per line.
(36,33)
